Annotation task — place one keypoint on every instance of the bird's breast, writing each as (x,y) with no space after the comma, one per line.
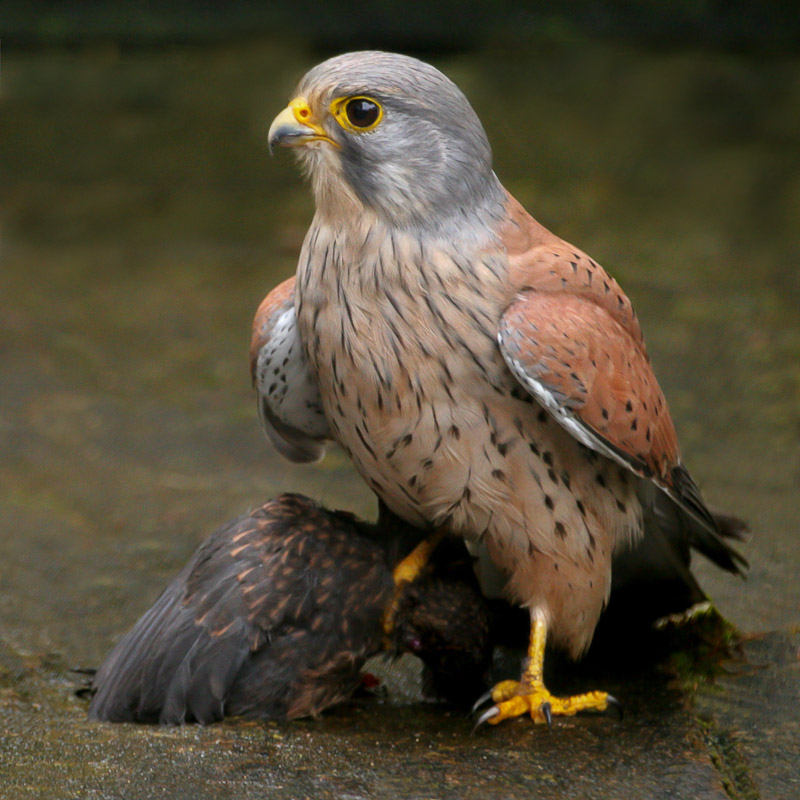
(415,389)
(402,339)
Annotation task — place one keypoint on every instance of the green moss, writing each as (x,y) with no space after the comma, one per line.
(701,645)
(731,767)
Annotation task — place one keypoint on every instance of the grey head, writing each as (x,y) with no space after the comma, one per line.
(398,133)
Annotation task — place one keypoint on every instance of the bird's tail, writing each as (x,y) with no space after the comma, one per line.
(731,527)
(656,571)
(683,512)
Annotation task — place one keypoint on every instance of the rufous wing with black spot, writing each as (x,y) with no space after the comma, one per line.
(572,339)
(587,371)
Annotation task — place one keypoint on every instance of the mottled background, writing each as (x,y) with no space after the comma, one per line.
(143,221)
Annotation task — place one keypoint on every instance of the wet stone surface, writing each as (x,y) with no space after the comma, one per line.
(371,748)
(143,222)
(750,720)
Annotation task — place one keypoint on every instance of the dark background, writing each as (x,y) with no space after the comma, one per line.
(142,223)
(438,25)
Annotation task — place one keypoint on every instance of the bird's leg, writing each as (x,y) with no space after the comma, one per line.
(529,694)
(406,571)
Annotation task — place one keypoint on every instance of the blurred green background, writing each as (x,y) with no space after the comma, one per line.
(143,221)
(436,25)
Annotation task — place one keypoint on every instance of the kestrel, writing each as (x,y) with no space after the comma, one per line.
(487,379)
(275,614)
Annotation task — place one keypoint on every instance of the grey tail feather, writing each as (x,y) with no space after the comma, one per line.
(712,544)
(730,526)
(710,530)
(687,494)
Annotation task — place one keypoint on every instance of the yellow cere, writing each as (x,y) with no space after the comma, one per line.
(298,111)
(301,111)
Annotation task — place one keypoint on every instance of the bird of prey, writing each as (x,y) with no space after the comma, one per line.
(275,614)
(488,379)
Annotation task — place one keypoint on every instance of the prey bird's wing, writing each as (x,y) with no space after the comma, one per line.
(272,617)
(289,403)
(571,338)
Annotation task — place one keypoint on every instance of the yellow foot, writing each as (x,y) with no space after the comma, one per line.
(515,698)
(407,571)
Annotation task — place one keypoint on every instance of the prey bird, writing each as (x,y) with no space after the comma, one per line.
(487,379)
(277,611)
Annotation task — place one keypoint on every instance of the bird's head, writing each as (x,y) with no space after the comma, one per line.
(445,622)
(390,134)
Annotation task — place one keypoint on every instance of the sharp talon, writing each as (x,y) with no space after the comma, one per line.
(486,716)
(547,713)
(484,698)
(615,704)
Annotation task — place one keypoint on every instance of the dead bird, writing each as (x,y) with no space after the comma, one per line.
(275,614)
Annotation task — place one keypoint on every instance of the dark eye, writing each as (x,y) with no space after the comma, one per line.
(357,114)
(362,113)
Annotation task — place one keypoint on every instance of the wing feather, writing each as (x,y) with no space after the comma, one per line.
(583,366)
(572,339)
(289,403)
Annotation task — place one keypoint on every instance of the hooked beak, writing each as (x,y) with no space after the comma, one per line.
(295,126)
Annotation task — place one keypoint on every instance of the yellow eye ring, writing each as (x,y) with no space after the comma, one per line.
(359,114)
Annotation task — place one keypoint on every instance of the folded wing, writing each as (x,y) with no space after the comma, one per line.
(289,403)
(571,338)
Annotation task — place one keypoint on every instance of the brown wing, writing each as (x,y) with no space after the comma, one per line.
(272,617)
(289,404)
(586,370)
(572,339)
(541,261)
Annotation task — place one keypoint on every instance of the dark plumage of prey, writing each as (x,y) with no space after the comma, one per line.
(274,616)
